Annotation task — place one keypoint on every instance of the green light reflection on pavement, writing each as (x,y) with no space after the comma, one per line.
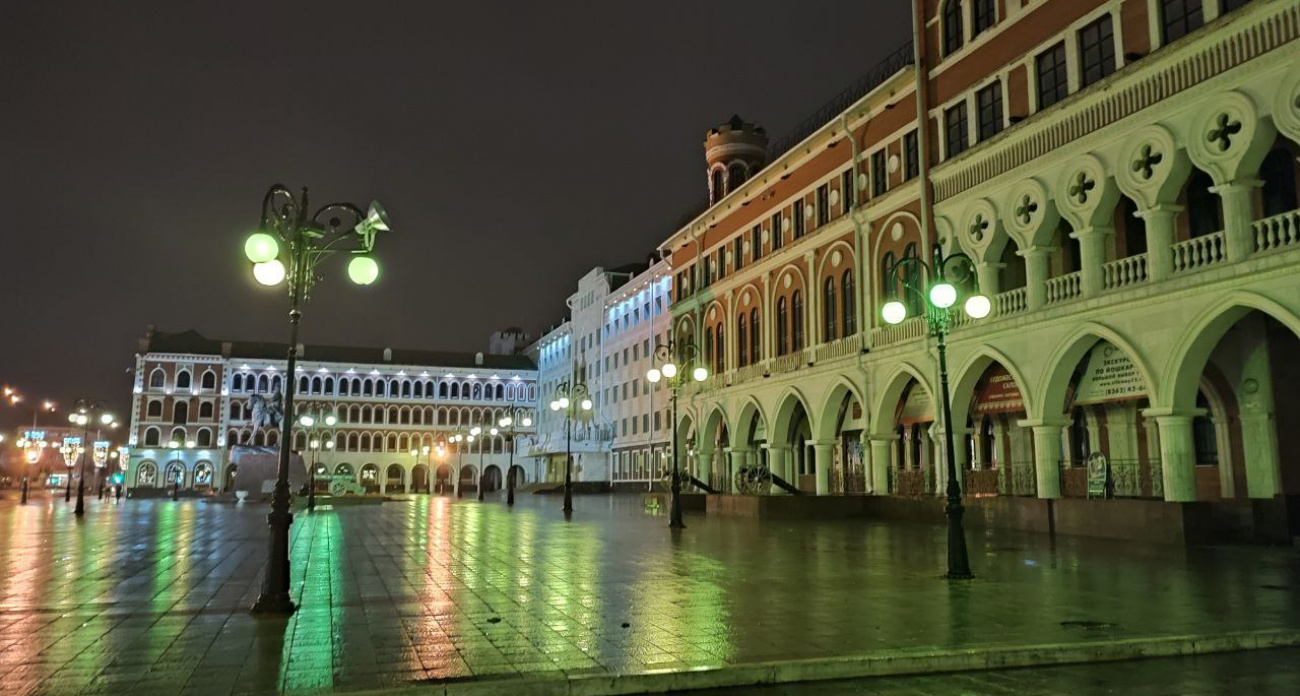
(307,658)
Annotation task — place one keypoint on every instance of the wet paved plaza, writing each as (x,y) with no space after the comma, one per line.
(150,597)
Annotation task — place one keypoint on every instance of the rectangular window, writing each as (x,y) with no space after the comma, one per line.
(634,425)
(636,351)
(645,422)
(738,252)
(955,130)
(624,396)
(983,16)
(797,217)
(1053,81)
(848,193)
(722,262)
(823,204)
(778,234)
(756,242)
(911,156)
(879,177)
(1179,18)
(625,361)
(989,102)
(657,421)
(1096,51)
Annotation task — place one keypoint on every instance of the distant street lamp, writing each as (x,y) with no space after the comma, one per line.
(482,442)
(312,426)
(571,397)
(83,414)
(674,362)
(289,245)
(946,274)
(508,424)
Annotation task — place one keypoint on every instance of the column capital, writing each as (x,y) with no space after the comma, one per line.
(1236,185)
(883,438)
(1035,252)
(822,443)
(1043,422)
(1093,232)
(1159,209)
(1166,412)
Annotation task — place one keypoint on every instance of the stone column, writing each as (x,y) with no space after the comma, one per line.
(1036,275)
(739,458)
(1159,222)
(1092,255)
(823,452)
(988,275)
(704,466)
(1177,457)
(1238,213)
(1259,445)
(1047,459)
(928,459)
(881,460)
(778,456)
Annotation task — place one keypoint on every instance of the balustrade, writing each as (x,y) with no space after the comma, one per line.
(1064,288)
(1277,232)
(1123,273)
(1199,252)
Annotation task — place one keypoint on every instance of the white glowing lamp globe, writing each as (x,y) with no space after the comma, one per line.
(586,404)
(893,312)
(493,432)
(654,375)
(363,270)
(669,370)
(700,374)
(475,430)
(555,405)
(978,306)
(331,420)
(943,295)
(528,422)
(106,418)
(307,421)
(563,402)
(269,272)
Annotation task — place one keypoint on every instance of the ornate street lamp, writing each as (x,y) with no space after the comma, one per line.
(312,426)
(674,362)
(287,246)
(571,397)
(83,413)
(477,432)
(946,276)
(508,423)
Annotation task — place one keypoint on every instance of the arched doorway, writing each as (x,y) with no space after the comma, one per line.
(915,450)
(519,475)
(174,473)
(146,475)
(370,478)
(999,452)
(443,476)
(1234,432)
(394,479)
(203,476)
(491,478)
(420,479)
(231,471)
(843,422)
(751,439)
(468,479)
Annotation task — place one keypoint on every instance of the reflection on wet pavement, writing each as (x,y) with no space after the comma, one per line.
(151,596)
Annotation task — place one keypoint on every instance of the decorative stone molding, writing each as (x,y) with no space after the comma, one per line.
(1152,167)
(1085,194)
(1029,213)
(1286,104)
(980,228)
(1228,138)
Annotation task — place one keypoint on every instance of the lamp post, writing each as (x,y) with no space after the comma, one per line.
(482,441)
(70,453)
(571,397)
(520,416)
(461,440)
(83,413)
(31,444)
(938,302)
(312,426)
(674,362)
(287,247)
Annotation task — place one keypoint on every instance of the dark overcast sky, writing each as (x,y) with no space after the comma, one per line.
(515,145)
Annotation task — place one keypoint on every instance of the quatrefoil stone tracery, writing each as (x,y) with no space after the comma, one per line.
(1145,164)
(978,226)
(1225,127)
(1025,211)
(1081,186)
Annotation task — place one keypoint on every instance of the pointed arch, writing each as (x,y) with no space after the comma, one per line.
(886,406)
(785,410)
(828,415)
(1055,381)
(968,377)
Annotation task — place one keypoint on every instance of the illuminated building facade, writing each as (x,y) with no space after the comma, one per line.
(394,413)
(1123,175)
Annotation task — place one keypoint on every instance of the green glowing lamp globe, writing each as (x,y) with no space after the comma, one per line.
(261,247)
(363,270)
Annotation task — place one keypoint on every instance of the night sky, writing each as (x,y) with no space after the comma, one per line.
(515,145)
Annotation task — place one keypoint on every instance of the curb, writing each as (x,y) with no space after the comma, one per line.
(878,664)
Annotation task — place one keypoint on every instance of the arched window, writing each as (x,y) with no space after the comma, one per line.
(180,413)
(183,379)
(478,392)
(443,392)
(154,409)
(1204,438)
(157,380)
(953,37)
(205,410)
(151,436)
(317,386)
(735,176)
(717,185)
(304,385)
(406,389)
(720,348)
(742,341)
(755,337)
(392,442)
(912,277)
(263,383)
(708,348)
(830,317)
(147,475)
(1278,173)
(203,438)
(237,383)
(782,328)
(796,320)
(178,436)
(455,390)
(329,385)
(209,380)
(500,392)
(1204,210)
(849,303)
(368,388)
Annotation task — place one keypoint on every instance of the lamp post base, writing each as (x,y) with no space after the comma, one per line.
(274,605)
(274,598)
(958,560)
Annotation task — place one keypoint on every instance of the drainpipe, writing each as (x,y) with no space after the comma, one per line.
(859,306)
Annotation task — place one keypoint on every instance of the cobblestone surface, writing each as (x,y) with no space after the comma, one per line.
(150,597)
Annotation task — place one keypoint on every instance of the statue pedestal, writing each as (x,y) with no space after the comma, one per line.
(256,470)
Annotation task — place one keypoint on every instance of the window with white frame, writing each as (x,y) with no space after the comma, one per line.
(1096,51)
(1053,76)
(988,103)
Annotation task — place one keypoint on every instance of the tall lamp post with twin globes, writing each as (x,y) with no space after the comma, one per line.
(83,413)
(572,398)
(288,245)
(674,362)
(946,275)
(508,423)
